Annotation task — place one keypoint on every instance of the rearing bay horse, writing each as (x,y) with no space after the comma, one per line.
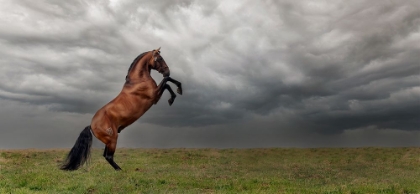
(139,93)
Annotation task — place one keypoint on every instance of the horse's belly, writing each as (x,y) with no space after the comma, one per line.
(132,113)
(122,111)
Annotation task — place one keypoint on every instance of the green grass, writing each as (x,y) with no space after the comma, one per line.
(329,170)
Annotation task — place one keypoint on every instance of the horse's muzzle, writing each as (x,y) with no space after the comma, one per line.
(166,72)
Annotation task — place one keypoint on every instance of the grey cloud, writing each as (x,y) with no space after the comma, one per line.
(321,68)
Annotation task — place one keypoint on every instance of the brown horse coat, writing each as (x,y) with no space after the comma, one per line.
(138,94)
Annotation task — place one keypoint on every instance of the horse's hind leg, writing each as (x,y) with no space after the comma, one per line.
(109,155)
(105,150)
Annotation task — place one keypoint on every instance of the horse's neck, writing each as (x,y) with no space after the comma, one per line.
(141,71)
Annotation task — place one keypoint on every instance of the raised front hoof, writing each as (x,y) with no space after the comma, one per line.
(171,101)
(179,90)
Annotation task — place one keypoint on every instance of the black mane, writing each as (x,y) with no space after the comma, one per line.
(134,63)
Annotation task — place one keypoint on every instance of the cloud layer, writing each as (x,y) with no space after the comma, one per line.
(266,70)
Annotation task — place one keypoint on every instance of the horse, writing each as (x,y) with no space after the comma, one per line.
(138,94)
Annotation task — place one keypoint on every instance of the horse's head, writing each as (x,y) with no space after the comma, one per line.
(157,63)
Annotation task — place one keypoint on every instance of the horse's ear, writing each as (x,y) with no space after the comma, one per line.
(156,51)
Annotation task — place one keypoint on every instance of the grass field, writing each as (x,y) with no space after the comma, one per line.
(329,170)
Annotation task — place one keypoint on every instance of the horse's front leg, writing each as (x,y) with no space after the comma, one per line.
(173,95)
(161,88)
(159,94)
(177,83)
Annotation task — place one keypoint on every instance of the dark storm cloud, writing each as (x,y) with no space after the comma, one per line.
(295,68)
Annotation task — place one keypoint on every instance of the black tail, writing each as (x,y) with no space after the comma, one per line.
(80,152)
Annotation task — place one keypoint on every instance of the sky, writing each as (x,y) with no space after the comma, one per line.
(278,73)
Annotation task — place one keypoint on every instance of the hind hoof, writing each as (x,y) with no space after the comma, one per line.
(179,91)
